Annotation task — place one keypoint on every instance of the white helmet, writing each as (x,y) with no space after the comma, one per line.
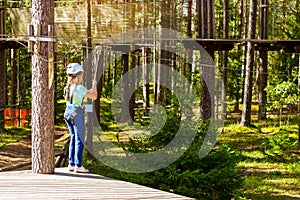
(74,68)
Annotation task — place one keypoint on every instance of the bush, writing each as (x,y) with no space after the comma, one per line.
(280,145)
(213,177)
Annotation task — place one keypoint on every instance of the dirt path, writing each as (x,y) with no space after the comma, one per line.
(20,152)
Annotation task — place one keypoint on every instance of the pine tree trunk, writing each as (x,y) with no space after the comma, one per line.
(163,54)
(206,29)
(100,78)
(299,104)
(225,55)
(2,87)
(246,113)
(125,98)
(42,97)
(263,55)
(2,68)
(189,20)
(132,82)
(89,76)
(13,77)
(133,61)
(243,32)
(146,76)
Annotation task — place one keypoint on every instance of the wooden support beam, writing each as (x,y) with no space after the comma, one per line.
(211,44)
(12,44)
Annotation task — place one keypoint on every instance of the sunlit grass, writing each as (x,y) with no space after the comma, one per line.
(13,134)
(267,176)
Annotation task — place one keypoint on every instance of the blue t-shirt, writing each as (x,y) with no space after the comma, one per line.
(78,92)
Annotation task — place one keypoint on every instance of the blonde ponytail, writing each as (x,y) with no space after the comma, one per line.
(67,88)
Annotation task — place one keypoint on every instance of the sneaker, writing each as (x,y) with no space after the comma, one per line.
(81,170)
(71,168)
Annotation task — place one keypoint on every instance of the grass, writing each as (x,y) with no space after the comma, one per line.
(269,157)
(13,134)
(267,151)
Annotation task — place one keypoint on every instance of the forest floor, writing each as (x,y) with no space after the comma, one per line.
(271,171)
(269,156)
(17,155)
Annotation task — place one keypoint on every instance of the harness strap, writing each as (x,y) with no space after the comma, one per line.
(77,101)
(75,98)
(74,114)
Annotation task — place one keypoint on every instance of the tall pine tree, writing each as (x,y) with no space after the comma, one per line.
(42,95)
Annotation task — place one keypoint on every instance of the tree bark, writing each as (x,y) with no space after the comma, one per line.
(263,68)
(133,64)
(132,82)
(100,71)
(146,59)
(2,86)
(243,31)
(146,76)
(163,54)
(247,101)
(2,67)
(189,20)
(13,78)
(299,103)
(206,29)
(88,74)
(225,56)
(43,158)
(125,98)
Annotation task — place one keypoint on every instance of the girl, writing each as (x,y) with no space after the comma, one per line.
(74,94)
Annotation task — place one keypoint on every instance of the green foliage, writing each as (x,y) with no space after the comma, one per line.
(26,3)
(280,145)
(213,177)
(282,94)
(23,76)
(62,3)
(234,75)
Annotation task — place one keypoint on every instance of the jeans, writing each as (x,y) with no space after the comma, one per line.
(77,136)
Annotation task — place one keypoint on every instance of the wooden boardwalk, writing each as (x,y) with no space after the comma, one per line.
(69,185)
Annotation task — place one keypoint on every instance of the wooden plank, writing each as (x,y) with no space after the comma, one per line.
(69,185)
